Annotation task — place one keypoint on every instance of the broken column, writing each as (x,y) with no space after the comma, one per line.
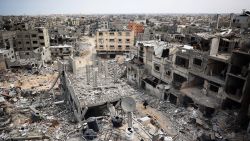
(87,74)
(95,77)
(99,66)
(115,74)
(106,69)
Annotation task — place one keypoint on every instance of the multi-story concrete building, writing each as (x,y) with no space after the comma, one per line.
(31,39)
(31,47)
(242,20)
(109,43)
(147,35)
(210,75)
(153,60)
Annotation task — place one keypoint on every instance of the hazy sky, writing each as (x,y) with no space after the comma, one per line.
(33,7)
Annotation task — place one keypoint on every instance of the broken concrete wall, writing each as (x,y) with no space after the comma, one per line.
(167,75)
(71,98)
(198,62)
(214,46)
(147,59)
(184,55)
(45,54)
(134,74)
(154,91)
(3,66)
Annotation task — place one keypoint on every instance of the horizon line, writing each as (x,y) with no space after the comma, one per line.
(224,13)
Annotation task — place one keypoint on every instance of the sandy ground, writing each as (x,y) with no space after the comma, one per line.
(29,81)
(164,122)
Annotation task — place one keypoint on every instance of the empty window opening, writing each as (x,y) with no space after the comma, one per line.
(178,80)
(234,86)
(240,64)
(112,55)
(157,67)
(207,111)
(229,104)
(223,46)
(197,61)
(173,99)
(168,73)
(188,102)
(196,81)
(182,62)
(214,87)
(217,69)
(165,53)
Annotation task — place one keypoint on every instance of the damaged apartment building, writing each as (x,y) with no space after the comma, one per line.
(31,47)
(25,48)
(7,43)
(209,74)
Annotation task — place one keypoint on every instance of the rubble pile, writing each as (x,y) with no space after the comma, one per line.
(116,68)
(36,116)
(28,112)
(106,86)
(190,122)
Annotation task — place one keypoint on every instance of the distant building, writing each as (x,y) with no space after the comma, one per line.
(110,43)
(147,35)
(136,27)
(243,20)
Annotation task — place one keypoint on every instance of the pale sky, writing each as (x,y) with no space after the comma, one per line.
(34,7)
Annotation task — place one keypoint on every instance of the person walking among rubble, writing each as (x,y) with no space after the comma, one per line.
(145,104)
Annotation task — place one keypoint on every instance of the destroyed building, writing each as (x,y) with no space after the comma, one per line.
(62,52)
(28,48)
(7,44)
(93,83)
(210,75)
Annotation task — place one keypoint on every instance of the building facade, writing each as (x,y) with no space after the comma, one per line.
(210,75)
(111,43)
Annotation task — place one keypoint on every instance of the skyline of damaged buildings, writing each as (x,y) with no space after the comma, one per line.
(197,62)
